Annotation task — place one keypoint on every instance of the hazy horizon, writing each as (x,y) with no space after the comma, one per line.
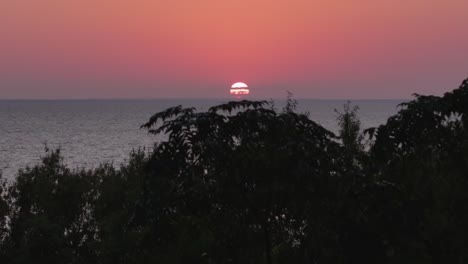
(201,98)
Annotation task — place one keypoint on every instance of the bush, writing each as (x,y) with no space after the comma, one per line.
(242,183)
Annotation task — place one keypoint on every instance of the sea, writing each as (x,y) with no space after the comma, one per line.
(91,132)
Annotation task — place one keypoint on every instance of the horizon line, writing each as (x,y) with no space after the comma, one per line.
(195,98)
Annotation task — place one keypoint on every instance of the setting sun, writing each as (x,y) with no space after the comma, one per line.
(238,89)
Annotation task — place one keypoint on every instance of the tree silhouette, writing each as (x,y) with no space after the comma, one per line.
(243,183)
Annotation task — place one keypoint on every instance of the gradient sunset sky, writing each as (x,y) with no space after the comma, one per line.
(198,48)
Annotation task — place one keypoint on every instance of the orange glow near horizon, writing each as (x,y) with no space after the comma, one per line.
(155,48)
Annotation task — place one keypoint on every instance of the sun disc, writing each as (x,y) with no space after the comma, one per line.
(239,85)
(239,89)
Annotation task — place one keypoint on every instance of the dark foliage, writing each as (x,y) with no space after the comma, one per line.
(242,183)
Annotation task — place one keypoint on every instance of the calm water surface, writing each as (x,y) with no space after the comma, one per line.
(90,132)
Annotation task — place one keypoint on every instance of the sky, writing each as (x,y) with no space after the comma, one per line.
(356,49)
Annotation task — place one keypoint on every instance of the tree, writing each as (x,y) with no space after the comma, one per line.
(423,150)
(51,216)
(242,183)
(350,128)
(4,213)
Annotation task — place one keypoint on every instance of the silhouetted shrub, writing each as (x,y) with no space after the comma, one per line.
(242,183)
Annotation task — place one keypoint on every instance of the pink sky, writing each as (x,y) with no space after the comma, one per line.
(186,48)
